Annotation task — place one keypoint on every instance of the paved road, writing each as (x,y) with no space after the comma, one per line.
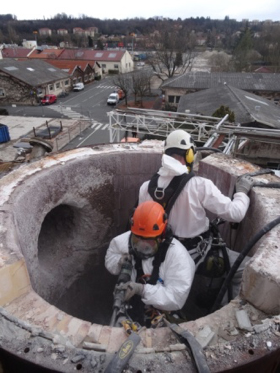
(91,104)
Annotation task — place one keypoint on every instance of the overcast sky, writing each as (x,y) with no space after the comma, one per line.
(215,9)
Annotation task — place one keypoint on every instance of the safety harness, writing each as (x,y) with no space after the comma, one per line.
(198,246)
(167,196)
(139,311)
(206,249)
(158,259)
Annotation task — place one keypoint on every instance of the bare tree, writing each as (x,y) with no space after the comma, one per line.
(141,84)
(220,61)
(124,82)
(172,51)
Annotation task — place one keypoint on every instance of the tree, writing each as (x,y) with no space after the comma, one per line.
(172,51)
(242,54)
(141,85)
(222,111)
(90,42)
(219,61)
(124,82)
(100,45)
(14,38)
(269,47)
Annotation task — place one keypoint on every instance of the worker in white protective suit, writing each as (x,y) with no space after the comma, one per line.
(187,216)
(163,270)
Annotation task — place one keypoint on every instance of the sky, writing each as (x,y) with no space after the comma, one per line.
(215,9)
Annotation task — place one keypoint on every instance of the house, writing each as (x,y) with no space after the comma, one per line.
(62,31)
(118,61)
(265,85)
(78,30)
(30,44)
(263,69)
(50,54)
(90,31)
(23,81)
(45,31)
(45,53)
(78,70)
(16,52)
(249,109)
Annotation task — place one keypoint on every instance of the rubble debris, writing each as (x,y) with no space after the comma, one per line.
(205,336)
(94,346)
(243,320)
(77,358)
(262,327)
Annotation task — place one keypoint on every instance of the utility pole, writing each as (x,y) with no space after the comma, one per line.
(35,32)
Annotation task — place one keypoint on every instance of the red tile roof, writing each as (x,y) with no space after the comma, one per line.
(46,53)
(70,65)
(15,52)
(92,55)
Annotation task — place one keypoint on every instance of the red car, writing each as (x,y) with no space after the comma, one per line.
(48,99)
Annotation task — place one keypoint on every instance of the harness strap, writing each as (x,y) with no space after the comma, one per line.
(167,196)
(158,259)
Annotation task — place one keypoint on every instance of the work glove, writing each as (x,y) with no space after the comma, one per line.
(124,258)
(244,184)
(131,289)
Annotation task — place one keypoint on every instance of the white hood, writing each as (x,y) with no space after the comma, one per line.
(171,167)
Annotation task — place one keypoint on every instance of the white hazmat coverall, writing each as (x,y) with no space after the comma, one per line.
(176,273)
(187,217)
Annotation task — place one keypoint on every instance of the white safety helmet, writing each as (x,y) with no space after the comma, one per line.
(180,142)
(179,139)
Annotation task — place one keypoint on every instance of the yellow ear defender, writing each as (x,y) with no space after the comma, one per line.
(190,156)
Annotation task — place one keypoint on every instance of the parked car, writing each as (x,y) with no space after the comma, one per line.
(78,87)
(48,99)
(113,99)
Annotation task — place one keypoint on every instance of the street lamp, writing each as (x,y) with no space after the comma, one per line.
(35,32)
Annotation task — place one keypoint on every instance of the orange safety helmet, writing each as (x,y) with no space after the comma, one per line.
(149,220)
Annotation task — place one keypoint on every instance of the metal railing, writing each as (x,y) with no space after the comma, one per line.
(161,123)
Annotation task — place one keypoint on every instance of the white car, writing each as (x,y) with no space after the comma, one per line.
(78,87)
(113,99)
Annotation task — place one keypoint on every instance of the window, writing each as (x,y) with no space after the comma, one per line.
(57,85)
(103,65)
(86,78)
(51,87)
(66,82)
(174,99)
(116,66)
(2,92)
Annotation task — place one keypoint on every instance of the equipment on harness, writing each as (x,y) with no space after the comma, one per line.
(167,197)
(119,306)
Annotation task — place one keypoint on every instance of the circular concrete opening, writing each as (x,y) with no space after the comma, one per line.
(63,234)
(57,218)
